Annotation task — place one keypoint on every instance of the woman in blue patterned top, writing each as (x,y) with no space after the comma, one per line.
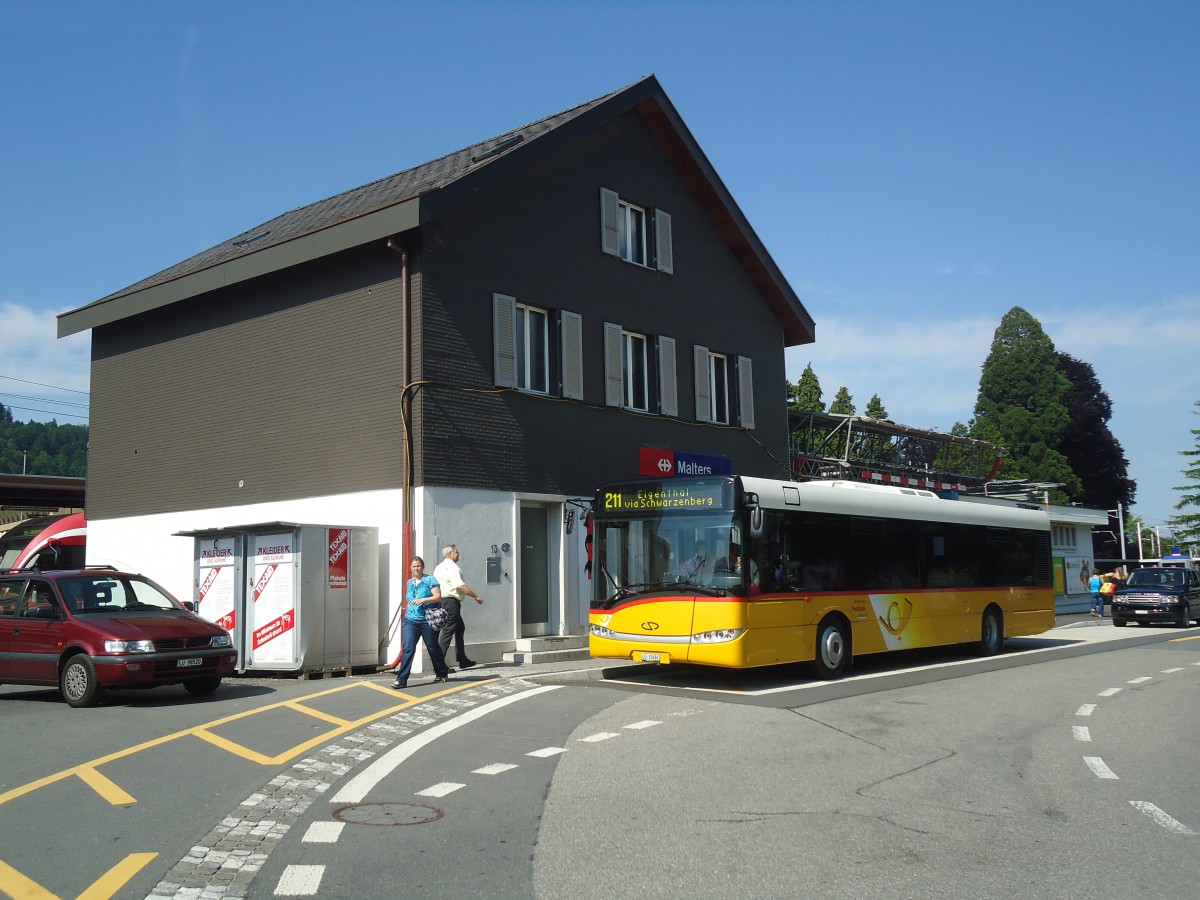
(421,590)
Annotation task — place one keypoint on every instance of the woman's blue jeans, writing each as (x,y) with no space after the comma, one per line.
(410,632)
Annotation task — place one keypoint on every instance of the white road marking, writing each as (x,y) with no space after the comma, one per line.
(645,723)
(299,881)
(1096,764)
(1141,680)
(493,769)
(1161,817)
(1081,733)
(357,788)
(547,751)
(1111,692)
(1086,710)
(441,789)
(599,736)
(323,833)
(1172,671)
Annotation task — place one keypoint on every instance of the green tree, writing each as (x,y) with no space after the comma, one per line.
(805,394)
(1022,404)
(1186,525)
(1094,453)
(42,448)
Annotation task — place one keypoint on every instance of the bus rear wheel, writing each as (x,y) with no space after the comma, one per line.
(991,639)
(833,648)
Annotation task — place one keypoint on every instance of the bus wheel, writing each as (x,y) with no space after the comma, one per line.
(833,648)
(992,636)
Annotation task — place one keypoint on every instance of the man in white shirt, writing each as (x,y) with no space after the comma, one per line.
(454,589)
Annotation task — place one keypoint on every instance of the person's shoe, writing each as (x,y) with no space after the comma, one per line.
(398,685)
(1094,613)
(467,664)
(441,680)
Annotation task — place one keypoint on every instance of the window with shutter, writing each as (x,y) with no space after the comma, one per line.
(613,380)
(571,329)
(703,397)
(504,340)
(745,392)
(668,380)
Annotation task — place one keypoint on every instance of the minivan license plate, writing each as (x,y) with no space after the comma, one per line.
(186,663)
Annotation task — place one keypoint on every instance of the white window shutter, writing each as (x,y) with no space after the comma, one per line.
(504,340)
(745,392)
(609,211)
(703,395)
(614,377)
(664,251)
(668,380)
(572,355)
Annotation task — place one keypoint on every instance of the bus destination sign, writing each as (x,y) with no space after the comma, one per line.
(655,496)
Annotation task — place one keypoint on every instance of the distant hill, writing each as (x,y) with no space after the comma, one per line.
(49,448)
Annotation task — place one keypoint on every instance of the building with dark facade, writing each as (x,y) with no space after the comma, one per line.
(458,353)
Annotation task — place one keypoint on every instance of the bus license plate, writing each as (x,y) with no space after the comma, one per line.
(653,657)
(187,663)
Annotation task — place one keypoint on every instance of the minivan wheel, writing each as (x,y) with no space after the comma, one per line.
(1185,616)
(78,682)
(202,687)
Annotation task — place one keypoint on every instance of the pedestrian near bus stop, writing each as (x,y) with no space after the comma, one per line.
(454,589)
(1094,585)
(421,590)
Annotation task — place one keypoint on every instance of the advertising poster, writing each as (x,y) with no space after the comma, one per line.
(216,589)
(272,637)
(339,558)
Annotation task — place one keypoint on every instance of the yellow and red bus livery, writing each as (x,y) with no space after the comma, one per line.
(739,571)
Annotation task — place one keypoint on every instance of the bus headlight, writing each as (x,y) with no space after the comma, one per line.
(601,632)
(718,637)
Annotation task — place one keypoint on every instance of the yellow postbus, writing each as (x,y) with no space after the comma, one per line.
(738,572)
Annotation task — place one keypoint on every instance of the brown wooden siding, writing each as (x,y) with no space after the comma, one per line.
(288,385)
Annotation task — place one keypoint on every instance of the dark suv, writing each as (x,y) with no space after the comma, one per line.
(90,629)
(1158,594)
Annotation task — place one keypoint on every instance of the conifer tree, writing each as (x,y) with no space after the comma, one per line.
(1022,404)
(805,394)
(1186,525)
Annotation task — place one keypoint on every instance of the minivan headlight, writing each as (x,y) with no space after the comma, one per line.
(221,641)
(129,646)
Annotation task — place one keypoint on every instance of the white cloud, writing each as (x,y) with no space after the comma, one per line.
(40,374)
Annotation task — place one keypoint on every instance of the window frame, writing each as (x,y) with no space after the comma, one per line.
(524,360)
(631,361)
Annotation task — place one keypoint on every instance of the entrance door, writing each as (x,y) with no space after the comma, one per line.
(535,572)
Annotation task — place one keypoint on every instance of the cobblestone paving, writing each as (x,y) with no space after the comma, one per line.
(224,863)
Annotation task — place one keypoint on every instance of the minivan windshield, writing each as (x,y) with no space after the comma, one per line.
(114,593)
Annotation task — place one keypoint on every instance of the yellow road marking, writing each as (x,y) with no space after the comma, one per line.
(1194,637)
(117,877)
(299,706)
(108,790)
(19,887)
(104,786)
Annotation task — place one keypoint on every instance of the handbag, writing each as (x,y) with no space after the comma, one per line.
(436,615)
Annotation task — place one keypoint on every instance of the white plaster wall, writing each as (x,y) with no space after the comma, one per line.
(147,544)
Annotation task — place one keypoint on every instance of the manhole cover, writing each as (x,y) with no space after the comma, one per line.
(388,814)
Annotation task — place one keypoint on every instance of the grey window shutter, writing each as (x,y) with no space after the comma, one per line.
(703,395)
(614,377)
(745,392)
(504,346)
(664,251)
(572,355)
(668,380)
(609,211)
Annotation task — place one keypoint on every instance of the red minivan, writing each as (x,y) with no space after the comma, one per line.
(86,630)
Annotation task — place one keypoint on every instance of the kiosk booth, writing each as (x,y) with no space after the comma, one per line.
(296,598)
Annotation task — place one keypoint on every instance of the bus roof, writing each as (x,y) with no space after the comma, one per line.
(858,498)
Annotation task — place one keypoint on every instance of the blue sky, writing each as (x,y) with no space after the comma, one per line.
(915,168)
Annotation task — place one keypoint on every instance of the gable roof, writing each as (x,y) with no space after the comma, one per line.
(402,201)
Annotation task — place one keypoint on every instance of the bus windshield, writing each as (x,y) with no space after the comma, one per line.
(644,554)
